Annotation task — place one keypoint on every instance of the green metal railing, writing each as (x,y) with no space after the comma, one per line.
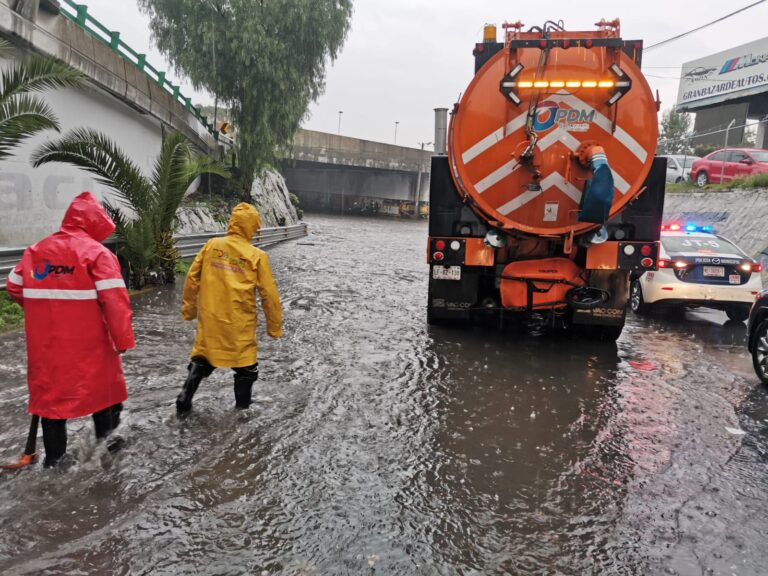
(78,13)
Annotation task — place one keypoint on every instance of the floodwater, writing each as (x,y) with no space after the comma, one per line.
(379,445)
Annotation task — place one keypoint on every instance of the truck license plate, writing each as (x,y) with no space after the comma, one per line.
(446,272)
(716,271)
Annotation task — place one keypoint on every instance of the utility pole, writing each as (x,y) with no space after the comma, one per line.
(725,151)
(340,113)
(396,123)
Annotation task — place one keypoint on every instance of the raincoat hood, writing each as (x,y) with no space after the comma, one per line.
(86,213)
(245,221)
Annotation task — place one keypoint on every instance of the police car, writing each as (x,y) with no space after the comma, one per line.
(696,267)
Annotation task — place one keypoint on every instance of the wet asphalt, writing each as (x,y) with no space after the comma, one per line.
(379,445)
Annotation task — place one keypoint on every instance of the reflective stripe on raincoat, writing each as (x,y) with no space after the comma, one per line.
(220,292)
(77,315)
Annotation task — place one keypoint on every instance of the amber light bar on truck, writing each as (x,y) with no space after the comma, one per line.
(510,85)
(565,84)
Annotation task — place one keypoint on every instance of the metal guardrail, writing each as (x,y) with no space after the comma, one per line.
(78,13)
(188,245)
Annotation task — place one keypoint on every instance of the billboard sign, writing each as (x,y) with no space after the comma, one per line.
(733,73)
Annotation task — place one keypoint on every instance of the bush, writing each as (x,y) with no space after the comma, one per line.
(181,268)
(11,314)
(756,181)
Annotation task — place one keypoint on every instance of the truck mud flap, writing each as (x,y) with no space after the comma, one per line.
(452,299)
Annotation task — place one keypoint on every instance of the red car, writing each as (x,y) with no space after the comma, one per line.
(725,165)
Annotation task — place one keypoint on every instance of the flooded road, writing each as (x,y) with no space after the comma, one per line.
(379,445)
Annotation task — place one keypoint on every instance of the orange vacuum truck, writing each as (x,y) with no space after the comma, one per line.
(549,195)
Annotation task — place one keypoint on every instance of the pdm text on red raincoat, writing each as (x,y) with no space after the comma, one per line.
(77,316)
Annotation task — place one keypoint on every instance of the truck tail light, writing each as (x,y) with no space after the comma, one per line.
(438,256)
(646,262)
(440,245)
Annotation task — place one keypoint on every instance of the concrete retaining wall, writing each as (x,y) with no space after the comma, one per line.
(740,215)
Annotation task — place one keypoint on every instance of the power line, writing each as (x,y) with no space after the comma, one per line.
(668,40)
(693,135)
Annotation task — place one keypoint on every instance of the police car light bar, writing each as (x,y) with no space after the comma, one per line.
(687,228)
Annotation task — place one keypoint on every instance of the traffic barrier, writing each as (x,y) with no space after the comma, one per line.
(188,245)
(78,13)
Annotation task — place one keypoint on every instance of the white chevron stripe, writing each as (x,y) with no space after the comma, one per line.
(559,134)
(620,134)
(496,176)
(556,179)
(494,138)
(518,202)
(621,184)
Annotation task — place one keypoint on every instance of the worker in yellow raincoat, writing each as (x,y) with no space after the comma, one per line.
(220,291)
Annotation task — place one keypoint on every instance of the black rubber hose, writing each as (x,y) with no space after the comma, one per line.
(586,297)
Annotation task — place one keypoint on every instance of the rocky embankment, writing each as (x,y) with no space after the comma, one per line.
(269,194)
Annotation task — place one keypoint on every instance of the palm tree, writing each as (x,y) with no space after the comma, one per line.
(145,230)
(22,114)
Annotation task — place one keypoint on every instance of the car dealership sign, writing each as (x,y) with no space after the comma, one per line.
(734,73)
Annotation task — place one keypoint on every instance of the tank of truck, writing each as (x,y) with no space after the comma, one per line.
(548,202)
(520,138)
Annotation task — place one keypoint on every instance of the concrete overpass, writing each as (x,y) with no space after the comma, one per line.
(339,174)
(125,97)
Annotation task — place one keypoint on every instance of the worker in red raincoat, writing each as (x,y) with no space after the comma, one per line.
(78,322)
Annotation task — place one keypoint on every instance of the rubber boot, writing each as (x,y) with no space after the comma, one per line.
(243,387)
(105,422)
(198,369)
(54,440)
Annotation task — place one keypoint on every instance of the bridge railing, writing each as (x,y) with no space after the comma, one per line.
(78,13)
(188,245)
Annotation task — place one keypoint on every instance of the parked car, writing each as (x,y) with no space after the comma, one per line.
(727,164)
(679,166)
(757,335)
(697,268)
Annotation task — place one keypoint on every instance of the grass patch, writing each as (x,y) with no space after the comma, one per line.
(756,181)
(11,314)
(681,187)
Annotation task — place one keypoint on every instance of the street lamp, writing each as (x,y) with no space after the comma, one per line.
(396,123)
(422,144)
(340,113)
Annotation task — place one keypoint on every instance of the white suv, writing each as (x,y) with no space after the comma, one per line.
(698,268)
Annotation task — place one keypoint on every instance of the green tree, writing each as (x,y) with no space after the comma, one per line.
(673,135)
(265,59)
(21,114)
(146,232)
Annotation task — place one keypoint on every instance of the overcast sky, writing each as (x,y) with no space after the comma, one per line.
(403,58)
